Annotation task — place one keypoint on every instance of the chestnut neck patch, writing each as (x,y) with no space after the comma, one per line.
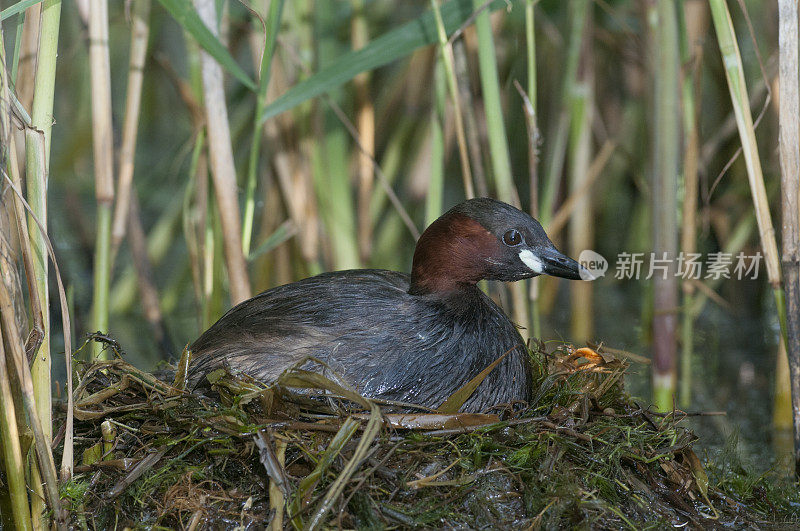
(451,255)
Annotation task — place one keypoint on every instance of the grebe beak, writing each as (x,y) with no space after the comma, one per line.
(550,261)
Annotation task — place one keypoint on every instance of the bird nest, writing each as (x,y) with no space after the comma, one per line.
(309,453)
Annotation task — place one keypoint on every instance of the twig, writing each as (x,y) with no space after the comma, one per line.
(469,429)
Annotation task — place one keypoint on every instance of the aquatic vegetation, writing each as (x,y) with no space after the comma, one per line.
(312,453)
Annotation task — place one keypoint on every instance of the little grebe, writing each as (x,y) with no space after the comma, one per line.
(414,339)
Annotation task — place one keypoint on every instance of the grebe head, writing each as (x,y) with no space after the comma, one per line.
(485,239)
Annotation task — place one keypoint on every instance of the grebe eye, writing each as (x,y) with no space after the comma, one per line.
(512,237)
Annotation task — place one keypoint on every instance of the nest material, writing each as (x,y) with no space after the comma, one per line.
(308,453)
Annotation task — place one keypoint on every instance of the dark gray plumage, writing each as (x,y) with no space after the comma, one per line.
(386,343)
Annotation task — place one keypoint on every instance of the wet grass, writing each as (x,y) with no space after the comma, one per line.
(581,453)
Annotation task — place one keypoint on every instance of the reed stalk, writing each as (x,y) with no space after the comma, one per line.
(471,129)
(8,154)
(290,162)
(331,164)
(498,144)
(490,85)
(19,204)
(556,140)
(194,207)
(446,51)
(140,31)
(25,69)
(37,151)
(271,27)
(14,464)
(207,223)
(789,139)
(295,161)
(581,233)
(578,10)
(365,125)
(666,156)
(103,143)
(434,200)
(734,73)
(43,479)
(530,105)
(206,226)
(223,171)
(17,47)
(276,496)
(692,23)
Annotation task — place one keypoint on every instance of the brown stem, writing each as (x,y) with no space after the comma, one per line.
(790,183)
(223,170)
(365,123)
(44,452)
(139,32)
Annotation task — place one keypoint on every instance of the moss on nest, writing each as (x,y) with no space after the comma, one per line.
(581,453)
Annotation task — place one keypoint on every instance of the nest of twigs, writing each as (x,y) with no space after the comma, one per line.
(307,453)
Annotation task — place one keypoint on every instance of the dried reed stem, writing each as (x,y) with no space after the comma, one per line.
(694,24)
(365,125)
(140,30)
(223,170)
(12,452)
(8,152)
(14,464)
(48,483)
(28,54)
(789,113)
(581,232)
(734,72)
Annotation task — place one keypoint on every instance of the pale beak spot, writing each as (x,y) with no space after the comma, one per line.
(530,260)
